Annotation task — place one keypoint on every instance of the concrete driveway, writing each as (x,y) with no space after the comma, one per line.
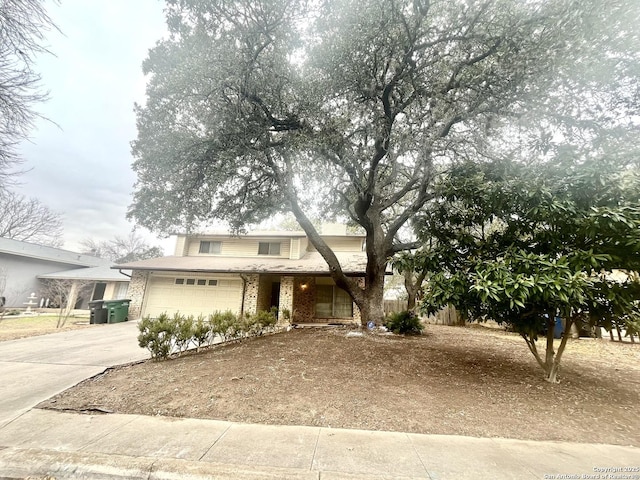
(33,369)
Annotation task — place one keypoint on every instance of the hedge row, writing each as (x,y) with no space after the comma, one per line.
(166,335)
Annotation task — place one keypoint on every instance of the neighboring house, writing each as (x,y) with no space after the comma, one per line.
(25,266)
(245,274)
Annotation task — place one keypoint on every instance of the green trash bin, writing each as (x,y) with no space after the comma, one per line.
(117,310)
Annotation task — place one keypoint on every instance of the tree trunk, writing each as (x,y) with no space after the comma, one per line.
(372,303)
(554,367)
(411,289)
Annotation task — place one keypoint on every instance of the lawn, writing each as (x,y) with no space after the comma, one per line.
(451,380)
(12,328)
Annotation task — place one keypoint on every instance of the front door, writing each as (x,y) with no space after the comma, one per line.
(275,294)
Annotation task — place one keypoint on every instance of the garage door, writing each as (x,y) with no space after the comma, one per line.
(192,295)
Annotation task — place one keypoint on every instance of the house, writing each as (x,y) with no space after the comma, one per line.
(249,273)
(25,267)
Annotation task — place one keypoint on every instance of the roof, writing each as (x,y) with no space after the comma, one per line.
(268,233)
(353,263)
(103,273)
(57,255)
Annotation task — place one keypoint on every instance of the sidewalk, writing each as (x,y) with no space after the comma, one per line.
(69,445)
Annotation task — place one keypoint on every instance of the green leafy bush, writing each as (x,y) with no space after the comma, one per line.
(157,335)
(202,334)
(264,321)
(164,335)
(225,324)
(405,323)
(183,331)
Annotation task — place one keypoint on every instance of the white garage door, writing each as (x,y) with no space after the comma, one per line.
(192,295)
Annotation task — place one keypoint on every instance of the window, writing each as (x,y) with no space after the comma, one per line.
(210,247)
(201,282)
(268,248)
(121,290)
(333,302)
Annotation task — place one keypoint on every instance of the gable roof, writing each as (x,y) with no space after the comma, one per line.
(57,255)
(353,263)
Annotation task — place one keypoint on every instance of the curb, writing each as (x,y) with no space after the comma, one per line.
(35,464)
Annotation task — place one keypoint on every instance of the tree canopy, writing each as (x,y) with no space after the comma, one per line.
(348,108)
(122,249)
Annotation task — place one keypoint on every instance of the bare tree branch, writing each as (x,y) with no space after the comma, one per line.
(28,220)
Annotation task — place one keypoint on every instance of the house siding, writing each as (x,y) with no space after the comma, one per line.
(341,244)
(21,278)
(238,247)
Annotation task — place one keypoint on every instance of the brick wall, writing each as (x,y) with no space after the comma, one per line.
(305,297)
(135,292)
(251,293)
(286,298)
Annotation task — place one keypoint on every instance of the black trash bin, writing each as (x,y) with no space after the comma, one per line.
(97,314)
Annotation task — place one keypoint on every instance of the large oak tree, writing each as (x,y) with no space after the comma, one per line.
(348,108)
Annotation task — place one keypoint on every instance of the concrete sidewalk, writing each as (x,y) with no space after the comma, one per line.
(66,445)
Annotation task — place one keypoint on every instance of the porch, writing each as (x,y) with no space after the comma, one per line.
(307,300)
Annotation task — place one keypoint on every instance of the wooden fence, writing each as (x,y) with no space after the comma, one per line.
(446,316)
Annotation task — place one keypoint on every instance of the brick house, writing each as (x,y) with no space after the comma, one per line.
(245,274)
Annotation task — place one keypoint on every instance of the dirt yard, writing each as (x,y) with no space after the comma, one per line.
(461,381)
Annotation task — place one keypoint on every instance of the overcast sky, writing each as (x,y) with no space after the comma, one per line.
(81,167)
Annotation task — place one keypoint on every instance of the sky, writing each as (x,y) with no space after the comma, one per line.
(80,166)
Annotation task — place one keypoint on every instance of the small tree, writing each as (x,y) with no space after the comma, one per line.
(521,244)
(63,294)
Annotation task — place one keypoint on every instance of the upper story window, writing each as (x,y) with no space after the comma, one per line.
(268,248)
(210,247)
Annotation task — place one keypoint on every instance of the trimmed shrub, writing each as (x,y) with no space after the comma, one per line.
(404,323)
(225,324)
(164,335)
(157,335)
(183,331)
(202,334)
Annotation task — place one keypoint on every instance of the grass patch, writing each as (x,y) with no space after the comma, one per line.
(21,327)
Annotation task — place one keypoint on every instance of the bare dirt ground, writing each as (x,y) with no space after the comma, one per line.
(451,380)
